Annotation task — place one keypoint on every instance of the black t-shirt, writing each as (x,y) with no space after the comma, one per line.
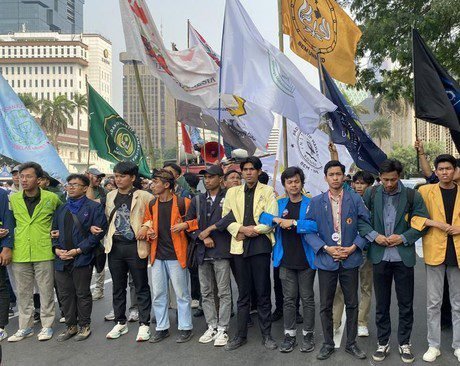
(448,198)
(294,254)
(123,231)
(31,202)
(165,248)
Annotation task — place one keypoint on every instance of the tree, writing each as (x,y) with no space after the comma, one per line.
(55,116)
(81,104)
(380,128)
(30,102)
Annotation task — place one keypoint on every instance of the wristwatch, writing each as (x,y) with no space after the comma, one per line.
(294,222)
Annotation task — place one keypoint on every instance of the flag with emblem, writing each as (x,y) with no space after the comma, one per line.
(323,27)
(112,138)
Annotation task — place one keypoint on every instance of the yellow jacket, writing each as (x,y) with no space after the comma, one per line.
(435,241)
(264,201)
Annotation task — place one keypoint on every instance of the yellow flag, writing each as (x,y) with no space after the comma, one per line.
(323,27)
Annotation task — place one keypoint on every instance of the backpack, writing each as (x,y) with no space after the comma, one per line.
(180,205)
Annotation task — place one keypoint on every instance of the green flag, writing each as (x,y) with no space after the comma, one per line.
(111,136)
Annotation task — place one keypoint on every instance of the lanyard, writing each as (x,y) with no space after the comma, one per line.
(339,210)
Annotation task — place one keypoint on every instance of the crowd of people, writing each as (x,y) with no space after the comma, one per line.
(358,237)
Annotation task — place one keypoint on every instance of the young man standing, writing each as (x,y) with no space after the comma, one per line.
(392,235)
(338,248)
(295,258)
(441,253)
(251,247)
(128,252)
(33,210)
(74,247)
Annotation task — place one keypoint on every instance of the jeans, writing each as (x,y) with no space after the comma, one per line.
(4,298)
(162,272)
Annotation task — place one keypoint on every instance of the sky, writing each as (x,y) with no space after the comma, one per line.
(103,17)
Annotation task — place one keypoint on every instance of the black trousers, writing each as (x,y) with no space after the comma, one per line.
(278,288)
(348,279)
(123,259)
(74,284)
(259,266)
(195,290)
(403,276)
(4,298)
(10,289)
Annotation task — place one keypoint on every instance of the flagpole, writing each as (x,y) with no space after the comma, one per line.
(322,87)
(284,121)
(89,123)
(413,92)
(148,135)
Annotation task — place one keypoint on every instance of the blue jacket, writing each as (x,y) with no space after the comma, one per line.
(6,220)
(303,227)
(90,214)
(353,210)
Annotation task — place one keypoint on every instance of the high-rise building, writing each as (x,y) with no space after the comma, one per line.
(62,16)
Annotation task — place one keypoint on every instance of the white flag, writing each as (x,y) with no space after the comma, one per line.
(257,71)
(190,75)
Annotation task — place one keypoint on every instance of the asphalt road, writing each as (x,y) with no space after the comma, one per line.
(97,350)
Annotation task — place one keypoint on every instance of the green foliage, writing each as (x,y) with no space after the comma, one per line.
(30,102)
(380,128)
(55,116)
(81,105)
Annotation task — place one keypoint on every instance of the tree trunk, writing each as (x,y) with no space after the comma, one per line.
(78,135)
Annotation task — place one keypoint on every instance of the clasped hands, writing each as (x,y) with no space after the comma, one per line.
(339,253)
(284,223)
(389,241)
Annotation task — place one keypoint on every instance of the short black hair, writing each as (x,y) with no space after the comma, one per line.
(36,167)
(231,172)
(445,158)
(254,160)
(291,172)
(81,177)
(366,177)
(333,164)
(176,167)
(391,165)
(192,179)
(126,167)
(264,178)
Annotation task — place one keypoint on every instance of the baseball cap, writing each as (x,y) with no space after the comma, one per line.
(15,169)
(96,172)
(213,170)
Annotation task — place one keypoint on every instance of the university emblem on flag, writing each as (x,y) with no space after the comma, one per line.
(124,144)
(308,149)
(23,131)
(281,80)
(240,109)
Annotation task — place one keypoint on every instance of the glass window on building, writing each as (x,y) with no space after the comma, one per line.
(48,70)
(71,83)
(48,96)
(42,83)
(71,70)
(54,69)
(30,83)
(48,83)
(54,83)
(65,83)
(59,82)
(1,70)
(65,69)
(24,70)
(36,70)
(36,83)
(59,70)
(38,51)
(32,51)
(12,83)
(19,71)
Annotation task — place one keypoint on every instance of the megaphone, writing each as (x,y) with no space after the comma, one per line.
(210,152)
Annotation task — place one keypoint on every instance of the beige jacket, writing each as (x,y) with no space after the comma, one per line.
(140,201)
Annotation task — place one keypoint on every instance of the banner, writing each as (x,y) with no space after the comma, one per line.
(323,27)
(22,139)
(112,138)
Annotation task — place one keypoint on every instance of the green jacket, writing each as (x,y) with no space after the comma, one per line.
(32,240)
(404,215)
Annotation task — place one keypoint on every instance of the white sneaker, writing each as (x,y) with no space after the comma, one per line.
(21,334)
(62,319)
(431,354)
(208,336)
(143,334)
(110,316)
(195,304)
(45,334)
(3,334)
(457,354)
(363,331)
(117,331)
(221,338)
(133,315)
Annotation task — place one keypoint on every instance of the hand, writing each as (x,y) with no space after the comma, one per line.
(345,252)
(443,226)
(54,234)
(382,240)
(63,254)
(204,234)
(453,230)
(5,256)
(332,148)
(419,147)
(151,234)
(179,227)
(277,220)
(3,232)
(240,236)
(208,242)
(249,231)
(95,230)
(394,240)
(142,233)
(286,223)
(333,252)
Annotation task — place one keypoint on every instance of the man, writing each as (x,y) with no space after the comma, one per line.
(338,248)
(182,187)
(361,181)
(74,247)
(128,252)
(232,178)
(6,245)
(16,187)
(50,184)
(441,253)
(295,259)
(251,246)
(168,256)
(392,252)
(33,210)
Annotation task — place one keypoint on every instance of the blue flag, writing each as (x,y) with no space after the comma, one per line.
(22,139)
(347,130)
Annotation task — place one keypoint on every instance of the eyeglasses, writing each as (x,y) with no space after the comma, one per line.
(75,185)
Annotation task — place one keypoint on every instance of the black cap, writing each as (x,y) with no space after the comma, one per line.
(96,172)
(213,170)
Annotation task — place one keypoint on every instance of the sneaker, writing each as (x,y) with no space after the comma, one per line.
(83,333)
(195,304)
(288,344)
(143,334)
(184,336)
(68,333)
(117,331)
(406,354)
(381,352)
(457,354)
(198,313)
(221,338)
(3,334)
(363,331)
(36,317)
(431,354)
(308,343)
(21,334)
(62,319)
(268,342)
(10,311)
(133,315)
(159,336)
(45,334)
(97,295)
(110,316)
(208,336)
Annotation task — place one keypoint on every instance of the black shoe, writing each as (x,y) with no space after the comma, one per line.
(381,352)
(308,342)
(159,336)
(83,333)
(184,336)
(36,317)
(406,353)
(325,352)
(298,318)
(269,342)
(288,344)
(67,334)
(235,343)
(198,313)
(277,315)
(250,322)
(355,352)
